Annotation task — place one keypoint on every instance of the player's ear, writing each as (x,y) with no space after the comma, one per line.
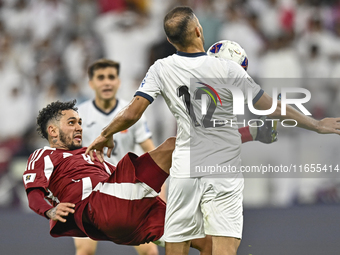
(52,131)
(167,38)
(91,84)
(119,81)
(197,31)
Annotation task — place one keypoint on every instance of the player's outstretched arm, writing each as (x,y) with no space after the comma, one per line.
(324,126)
(123,120)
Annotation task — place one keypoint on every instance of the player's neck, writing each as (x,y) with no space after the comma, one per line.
(106,105)
(194,48)
(56,143)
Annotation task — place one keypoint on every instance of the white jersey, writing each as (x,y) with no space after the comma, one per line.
(94,120)
(176,78)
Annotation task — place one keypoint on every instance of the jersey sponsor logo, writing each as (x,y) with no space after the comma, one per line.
(29,178)
(216,48)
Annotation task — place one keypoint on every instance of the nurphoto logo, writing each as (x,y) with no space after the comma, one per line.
(238,101)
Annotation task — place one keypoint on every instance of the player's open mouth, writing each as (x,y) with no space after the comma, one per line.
(77,137)
(106,90)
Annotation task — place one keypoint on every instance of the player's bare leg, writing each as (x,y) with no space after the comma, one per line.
(147,249)
(204,245)
(222,245)
(162,155)
(85,246)
(181,248)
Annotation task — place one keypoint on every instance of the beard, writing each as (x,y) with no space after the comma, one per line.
(66,141)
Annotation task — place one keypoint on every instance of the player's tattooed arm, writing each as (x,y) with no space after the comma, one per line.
(60,211)
(51,213)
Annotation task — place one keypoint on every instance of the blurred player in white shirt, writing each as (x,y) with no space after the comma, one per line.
(96,114)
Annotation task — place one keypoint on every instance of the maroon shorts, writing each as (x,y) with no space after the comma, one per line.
(125,208)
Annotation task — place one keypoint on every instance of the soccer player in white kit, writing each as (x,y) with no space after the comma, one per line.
(199,205)
(96,114)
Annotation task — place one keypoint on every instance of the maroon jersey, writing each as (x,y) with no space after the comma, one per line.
(66,176)
(121,203)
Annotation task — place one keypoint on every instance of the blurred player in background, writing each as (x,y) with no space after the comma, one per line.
(199,206)
(96,114)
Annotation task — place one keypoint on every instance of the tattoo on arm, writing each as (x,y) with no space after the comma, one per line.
(51,213)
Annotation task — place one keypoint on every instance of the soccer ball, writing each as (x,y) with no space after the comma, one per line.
(229,50)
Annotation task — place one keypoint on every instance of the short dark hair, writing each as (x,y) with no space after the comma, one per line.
(177,30)
(52,111)
(101,64)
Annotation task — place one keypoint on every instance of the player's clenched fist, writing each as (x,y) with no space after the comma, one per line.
(60,211)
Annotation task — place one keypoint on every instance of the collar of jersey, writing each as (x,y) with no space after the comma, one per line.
(100,110)
(191,55)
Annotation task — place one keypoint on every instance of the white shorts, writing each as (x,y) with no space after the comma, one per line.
(203,206)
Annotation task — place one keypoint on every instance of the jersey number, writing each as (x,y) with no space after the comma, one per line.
(206,121)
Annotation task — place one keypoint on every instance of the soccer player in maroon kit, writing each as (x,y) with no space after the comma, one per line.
(89,198)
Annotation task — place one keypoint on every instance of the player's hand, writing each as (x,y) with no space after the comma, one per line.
(60,211)
(329,126)
(267,132)
(98,145)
